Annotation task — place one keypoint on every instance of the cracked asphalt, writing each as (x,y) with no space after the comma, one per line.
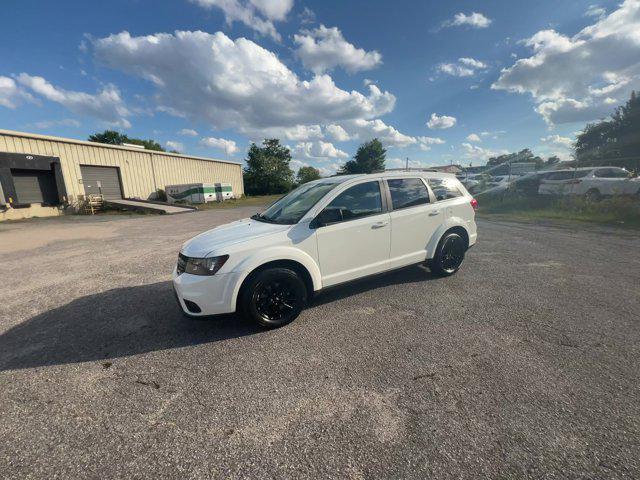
(523,365)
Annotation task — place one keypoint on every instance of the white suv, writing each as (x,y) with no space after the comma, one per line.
(593,182)
(321,234)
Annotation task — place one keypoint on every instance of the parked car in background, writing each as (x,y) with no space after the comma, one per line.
(324,233)
(592,182)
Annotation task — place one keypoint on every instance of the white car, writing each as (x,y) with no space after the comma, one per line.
(322,234)
(593,182)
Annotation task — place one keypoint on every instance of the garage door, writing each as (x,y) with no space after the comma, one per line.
(105,180)
(35,186)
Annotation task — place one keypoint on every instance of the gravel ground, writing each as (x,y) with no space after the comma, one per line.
(524,364)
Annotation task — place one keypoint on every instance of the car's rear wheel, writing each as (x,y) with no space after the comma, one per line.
(273,297)
(449,255)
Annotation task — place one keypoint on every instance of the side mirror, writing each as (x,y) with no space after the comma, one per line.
(327,217)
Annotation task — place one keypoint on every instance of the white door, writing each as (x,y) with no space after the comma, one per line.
(610,181)
(413,220)
(357,243)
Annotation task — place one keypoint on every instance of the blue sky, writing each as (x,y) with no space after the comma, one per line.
(438,82)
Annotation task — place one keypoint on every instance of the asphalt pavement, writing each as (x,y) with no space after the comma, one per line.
(524,364)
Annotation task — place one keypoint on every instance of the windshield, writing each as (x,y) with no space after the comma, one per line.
(293,206)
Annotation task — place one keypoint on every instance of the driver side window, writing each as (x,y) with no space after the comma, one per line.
(359,201)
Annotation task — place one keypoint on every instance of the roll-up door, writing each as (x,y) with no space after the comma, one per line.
(105,180)
(35,186)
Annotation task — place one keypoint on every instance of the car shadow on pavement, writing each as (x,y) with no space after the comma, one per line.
(410,274)
(115,323)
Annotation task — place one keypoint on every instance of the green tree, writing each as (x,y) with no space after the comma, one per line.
(307,174)
(369,158)
(613,141)
(500,165)
(552,160)
(112,137)
(267,171)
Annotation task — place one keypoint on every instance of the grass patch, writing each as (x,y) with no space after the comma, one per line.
(619,211)
(257,201)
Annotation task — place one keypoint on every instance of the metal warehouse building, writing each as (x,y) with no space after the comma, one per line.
(40,175)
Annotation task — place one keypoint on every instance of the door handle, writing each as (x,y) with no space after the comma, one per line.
(379,224)
(433,214)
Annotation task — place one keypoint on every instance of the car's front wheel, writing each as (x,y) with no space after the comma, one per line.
(273,297)
(449,255)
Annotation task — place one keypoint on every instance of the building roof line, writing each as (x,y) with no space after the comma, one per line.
(51,138)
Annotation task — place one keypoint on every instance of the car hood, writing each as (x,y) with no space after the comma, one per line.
(230,234)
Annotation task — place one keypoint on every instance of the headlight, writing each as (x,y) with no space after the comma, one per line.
(204,266)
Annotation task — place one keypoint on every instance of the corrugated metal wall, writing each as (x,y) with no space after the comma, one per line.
(142,172)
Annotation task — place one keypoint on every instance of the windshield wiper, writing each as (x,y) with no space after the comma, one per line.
(262,218)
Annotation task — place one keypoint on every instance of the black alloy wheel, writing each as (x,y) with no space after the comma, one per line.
(449,255)
(274,297)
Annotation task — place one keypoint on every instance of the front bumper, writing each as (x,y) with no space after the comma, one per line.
(212,294)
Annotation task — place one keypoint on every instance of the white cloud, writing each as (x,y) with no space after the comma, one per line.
(303,132)
(188,132)
(338,133)
(474,152)
(441,121)
(474,20)
(228,146)
(256,14)
(318,149)
(557,140)
(473,137)
(595,11)
(425,142)
(579,78)
(368,129)
(464,67)
(323,49)
(234,84)
(11,94)
(172,145)
(106,105)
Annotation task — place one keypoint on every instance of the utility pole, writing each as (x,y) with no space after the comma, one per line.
(406,167)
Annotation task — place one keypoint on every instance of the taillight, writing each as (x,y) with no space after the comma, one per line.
(474,203)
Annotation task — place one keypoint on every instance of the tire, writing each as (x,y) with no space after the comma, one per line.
(449,255)
(274,297)
(593,195)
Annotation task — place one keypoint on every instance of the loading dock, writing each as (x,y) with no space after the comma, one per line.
(103,181)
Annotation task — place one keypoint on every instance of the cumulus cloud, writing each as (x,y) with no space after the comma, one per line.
(11,94)
(188,132)
(558,140)
(474,20)
(441,121)
(368,129)
(425,142)
(324,49)
(473,137)
(475,152)
(107,105)
(227,146)
(256,14)
(464,67)
(579,78)
(319,150)
(595,11)
(234,83)
(338,133)
(173,145)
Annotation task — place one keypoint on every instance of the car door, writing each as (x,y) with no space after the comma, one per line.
(358,242)
(414,219)
(611,181)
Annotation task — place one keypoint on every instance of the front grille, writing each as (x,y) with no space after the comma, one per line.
(182,264)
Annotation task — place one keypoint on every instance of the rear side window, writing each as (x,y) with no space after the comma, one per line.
(358,201)
(610,173)
(445,188)
(407,192)
(568,175)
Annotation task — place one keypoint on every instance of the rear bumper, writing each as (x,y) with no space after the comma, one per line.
(213,295)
